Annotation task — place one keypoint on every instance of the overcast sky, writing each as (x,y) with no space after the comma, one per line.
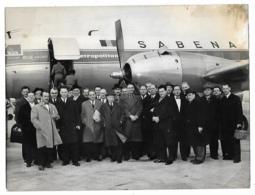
(221,23)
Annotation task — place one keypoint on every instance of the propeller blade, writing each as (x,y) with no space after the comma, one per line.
(119,42)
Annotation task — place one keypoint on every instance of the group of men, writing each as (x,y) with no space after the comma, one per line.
(90,124)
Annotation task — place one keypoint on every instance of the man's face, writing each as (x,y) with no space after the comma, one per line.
(143,90)
(131,89)
(185,86)
(103,94)
(124,90)
(216,92)
(97,91)
(63,93)
(76,92)
(169,89)
(190,97)
(117,91)
(69,93)
(45,97)
(177,91)
(31,97)
(162,92)
(54,93)
(25,92)
(226,89)
(110,99)
(153,90)
(92,95)
(85,92)
(38,94)
(207,92)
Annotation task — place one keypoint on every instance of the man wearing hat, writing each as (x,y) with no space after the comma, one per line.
(209,106)
(194,126)
(112,116)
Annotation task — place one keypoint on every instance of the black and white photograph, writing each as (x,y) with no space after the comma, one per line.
(127,97)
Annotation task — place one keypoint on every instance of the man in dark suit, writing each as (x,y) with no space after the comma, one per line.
(217,93)
(78,100)
(132,107)
(112,117)
(69,124)
(28,130)
(231,119)
(53,100)
(194,126)
(23,100)
(162,118)
(209,106)
(178,104)
(154,97)
(146,122)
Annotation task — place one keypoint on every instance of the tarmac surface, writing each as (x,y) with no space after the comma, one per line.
(129,175)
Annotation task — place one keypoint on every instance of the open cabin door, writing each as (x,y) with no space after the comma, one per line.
(63,50)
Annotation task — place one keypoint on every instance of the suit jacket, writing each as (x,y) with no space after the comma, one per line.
(69,119)
(132,105)
(92,131)
(231,114)
(46,131)
(28,130)
(178,115)
(112,120)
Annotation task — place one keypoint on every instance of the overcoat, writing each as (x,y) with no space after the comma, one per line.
(194,118)
(112,120)
(164,111)
(132,105)
(46,131)
(69,119)
(93,131)
(209,109)
(28,130)
(231,115)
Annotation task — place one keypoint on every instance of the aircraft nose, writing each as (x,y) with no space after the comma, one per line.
(117,75)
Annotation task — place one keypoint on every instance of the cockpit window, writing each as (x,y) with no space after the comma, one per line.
(13,50)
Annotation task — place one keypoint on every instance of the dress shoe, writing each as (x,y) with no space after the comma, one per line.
(119,161)
(41,168)
(49,166)
(227,158)
(237,161)
(65,163)
(28,165)
(76,164)
(169,162)
(197,162)
(88,160)
(215,157)
(192,161)
(184,159)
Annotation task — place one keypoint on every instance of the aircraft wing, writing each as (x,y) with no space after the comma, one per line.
(232,72)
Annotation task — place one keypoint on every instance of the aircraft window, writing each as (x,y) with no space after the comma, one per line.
(176,61)
(133,60)
(217,64)
(145,57)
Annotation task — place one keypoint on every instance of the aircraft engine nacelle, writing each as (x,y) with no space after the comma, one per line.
(154,67)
